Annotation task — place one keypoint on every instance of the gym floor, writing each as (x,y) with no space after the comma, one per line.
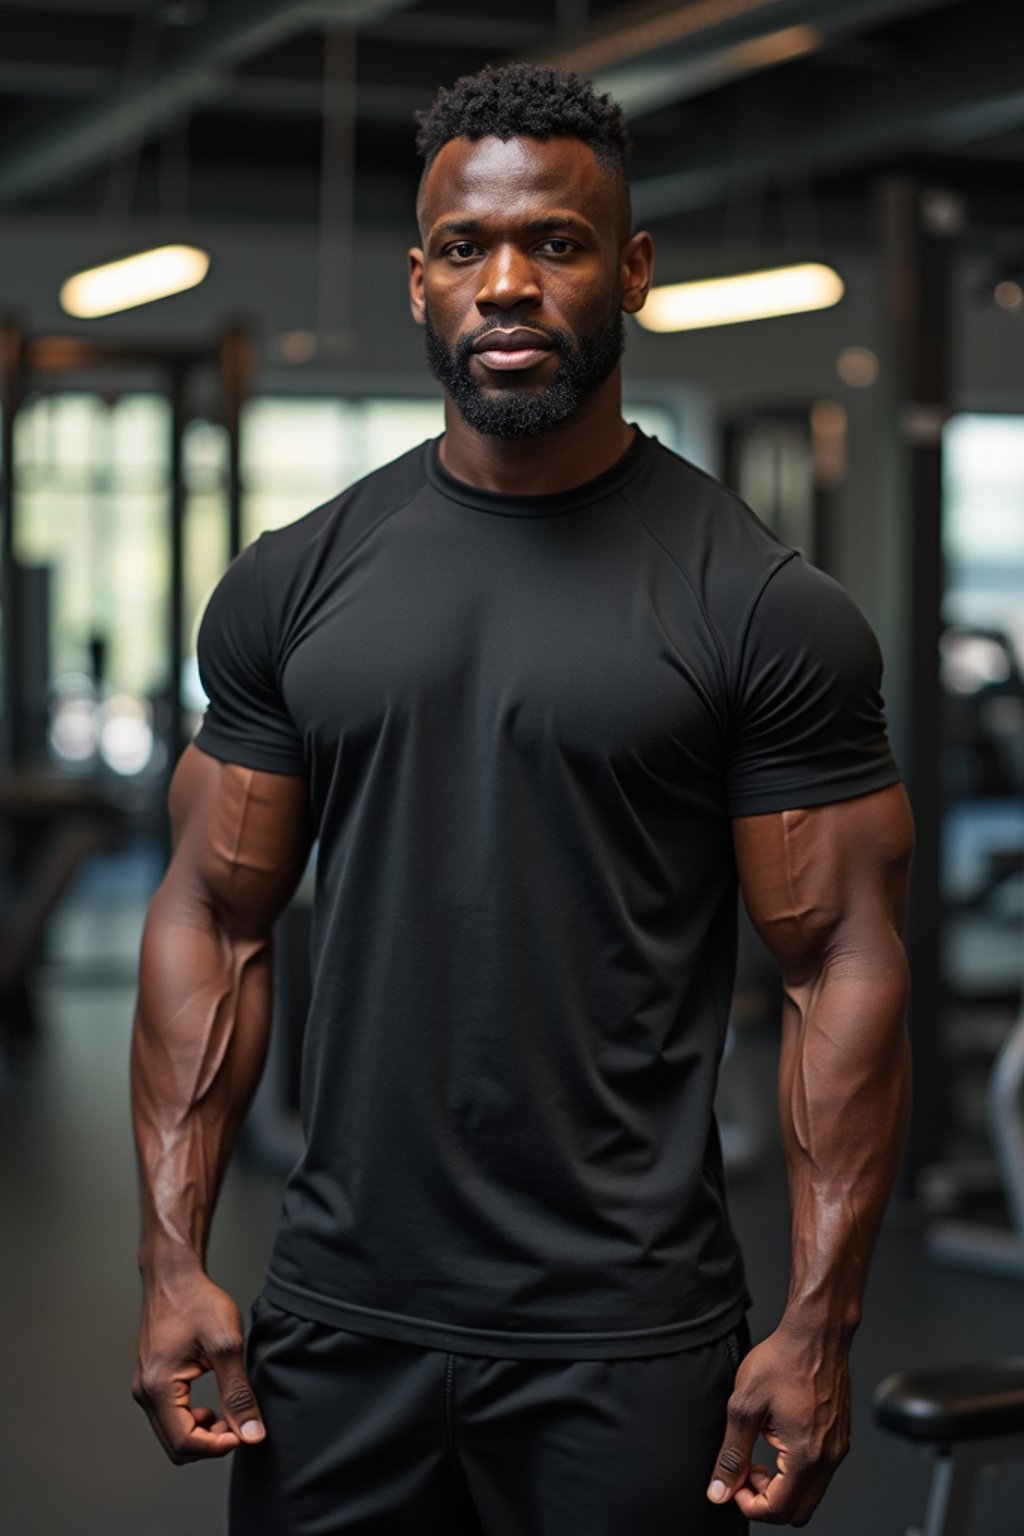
(77,1455)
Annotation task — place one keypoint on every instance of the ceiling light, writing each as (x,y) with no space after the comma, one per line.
(133,280)
(788,290)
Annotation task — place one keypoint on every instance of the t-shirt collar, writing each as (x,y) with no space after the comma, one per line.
(546,505)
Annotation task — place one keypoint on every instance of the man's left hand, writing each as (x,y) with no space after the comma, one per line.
(794,1389)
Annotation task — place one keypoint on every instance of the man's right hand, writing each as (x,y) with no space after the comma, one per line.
(190,1326)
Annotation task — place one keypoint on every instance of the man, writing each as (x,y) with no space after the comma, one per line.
(541,689)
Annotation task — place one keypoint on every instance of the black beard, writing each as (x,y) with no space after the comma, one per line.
(518,411)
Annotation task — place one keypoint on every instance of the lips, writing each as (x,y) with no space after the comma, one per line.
(510,350)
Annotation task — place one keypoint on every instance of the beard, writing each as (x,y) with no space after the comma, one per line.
(522,410)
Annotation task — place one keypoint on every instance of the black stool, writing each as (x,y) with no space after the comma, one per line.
(968,1418)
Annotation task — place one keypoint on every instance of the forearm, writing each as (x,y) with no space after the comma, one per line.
(198,1047)
(826,888)
(844,1092)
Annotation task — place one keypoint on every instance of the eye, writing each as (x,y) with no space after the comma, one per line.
(557,245)
(462,250)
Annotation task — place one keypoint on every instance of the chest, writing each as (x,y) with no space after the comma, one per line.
(582,642)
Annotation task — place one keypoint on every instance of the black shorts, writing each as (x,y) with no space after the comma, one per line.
(367,1435)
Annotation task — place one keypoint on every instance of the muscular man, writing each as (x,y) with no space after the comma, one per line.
(544,692)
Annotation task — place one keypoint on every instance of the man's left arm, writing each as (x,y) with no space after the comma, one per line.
(826,890)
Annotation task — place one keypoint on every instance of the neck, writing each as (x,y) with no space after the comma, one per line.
(590,442)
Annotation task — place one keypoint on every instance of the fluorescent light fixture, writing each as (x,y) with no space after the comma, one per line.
(134,280)
(747,296)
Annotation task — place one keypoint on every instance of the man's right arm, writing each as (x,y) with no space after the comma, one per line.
(241,842)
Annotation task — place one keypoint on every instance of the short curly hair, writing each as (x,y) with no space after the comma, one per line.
(527,100)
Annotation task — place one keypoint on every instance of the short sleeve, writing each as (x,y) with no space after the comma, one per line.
(246,721)
(809,723)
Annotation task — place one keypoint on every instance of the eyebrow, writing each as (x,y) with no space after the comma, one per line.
(545,226)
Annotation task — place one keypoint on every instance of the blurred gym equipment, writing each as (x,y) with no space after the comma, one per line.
(968,1418)
(973,1245)
(63,821)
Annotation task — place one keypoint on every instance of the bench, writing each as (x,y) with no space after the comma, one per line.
(968,1417)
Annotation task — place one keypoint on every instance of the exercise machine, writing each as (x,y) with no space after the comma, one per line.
(967,1418)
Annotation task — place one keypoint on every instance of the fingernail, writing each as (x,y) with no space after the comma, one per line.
(717,1491)
(252,1430)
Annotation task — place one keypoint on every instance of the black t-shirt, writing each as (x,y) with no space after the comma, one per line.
(525,723)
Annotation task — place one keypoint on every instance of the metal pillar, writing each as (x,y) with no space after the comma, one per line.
(916,239)
(235,370)
(12,349)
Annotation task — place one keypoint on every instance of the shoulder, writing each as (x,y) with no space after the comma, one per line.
(266,586)
(718,542)
(802,609)
(348,514)
(808,713)
(745,577)
(283,567)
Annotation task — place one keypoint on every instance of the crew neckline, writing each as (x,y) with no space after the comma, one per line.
(547,504)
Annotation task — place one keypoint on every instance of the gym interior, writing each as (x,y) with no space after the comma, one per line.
(881,433)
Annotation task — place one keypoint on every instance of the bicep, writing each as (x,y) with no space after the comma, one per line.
(242,838)
(826,879)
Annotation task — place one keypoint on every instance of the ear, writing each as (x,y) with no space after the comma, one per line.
(637,267)
(416,300)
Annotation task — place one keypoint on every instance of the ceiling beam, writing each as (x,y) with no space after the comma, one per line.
(18,79)
(34,42)
(648,58)
(642,84)
(236,31)
(963,81)
(86,7)
(249,93)
(505,34)
(304,98)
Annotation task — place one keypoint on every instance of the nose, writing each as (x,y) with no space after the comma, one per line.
(508,278)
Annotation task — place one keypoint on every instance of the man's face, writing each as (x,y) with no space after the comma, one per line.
(520,281)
